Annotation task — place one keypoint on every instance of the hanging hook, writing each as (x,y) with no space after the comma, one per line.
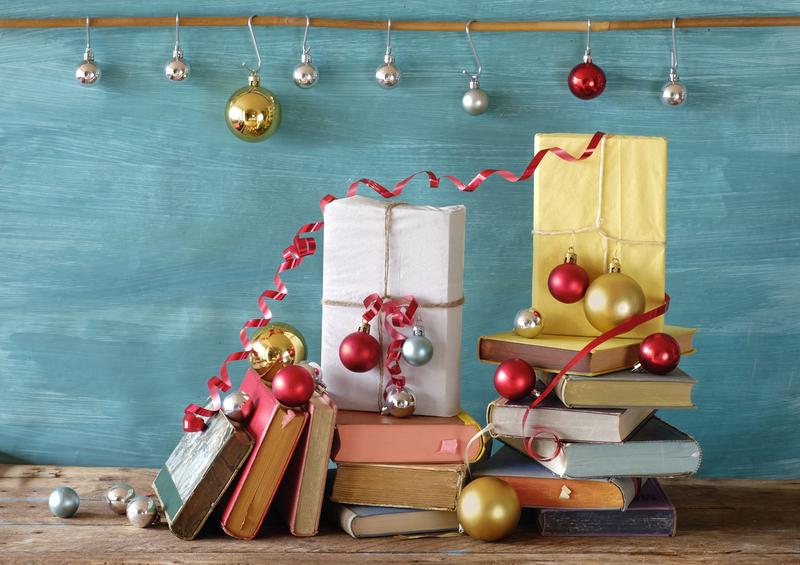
(255,46)
(306,48)
(674,58)
(389,37)
(587,55)
(477,74)
(88,33)
(177,32)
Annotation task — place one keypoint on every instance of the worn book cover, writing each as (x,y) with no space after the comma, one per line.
(197,473)
(375,521)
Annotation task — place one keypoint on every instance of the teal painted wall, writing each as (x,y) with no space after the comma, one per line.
(137,232)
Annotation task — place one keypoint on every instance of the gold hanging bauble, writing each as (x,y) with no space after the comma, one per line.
(488,509)
(253,113)
(612,298)
(274,347)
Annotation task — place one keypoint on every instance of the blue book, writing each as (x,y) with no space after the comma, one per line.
(375,521)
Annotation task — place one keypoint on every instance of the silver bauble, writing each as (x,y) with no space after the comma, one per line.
(673,94)
(315,370)
(177,69)
(64,502)
(475,101)
(528,323)
(305,74)
(142,511)
(398,402)
(237,406)
(118,496)
(417,349)
(387,75)
(87,73)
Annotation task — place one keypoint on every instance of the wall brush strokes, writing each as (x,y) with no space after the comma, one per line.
(137,231)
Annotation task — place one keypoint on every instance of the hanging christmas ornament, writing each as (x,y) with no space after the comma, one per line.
(388,75)
(659,353)
(237,406)
(275,346)
(398,401)
(488,509)
(253,113)
(475,100)
(305,74)
(64,502)
(359,351)
(568,281)
(142,511)
(514,379)
(293,386)
(528,323)
(88,72)
(177,70)
(612,298)
(587,80)
(118,496)
(417,349)
(673,93)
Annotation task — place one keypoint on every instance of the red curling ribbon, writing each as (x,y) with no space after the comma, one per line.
(398,313)
(537,433)
(373,304)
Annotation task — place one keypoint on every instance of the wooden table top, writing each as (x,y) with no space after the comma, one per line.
(731,521)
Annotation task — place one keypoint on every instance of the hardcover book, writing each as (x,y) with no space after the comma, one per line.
(276,430)
(375,521)
(197,473)
(551,352)
(650,514)
(365,437)
(538,487)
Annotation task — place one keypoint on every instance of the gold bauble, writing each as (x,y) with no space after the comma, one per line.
(274,347)
(488,509)
(611,299)
(253,113)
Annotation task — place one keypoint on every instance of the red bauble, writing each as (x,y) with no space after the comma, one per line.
(293,385)
(514,379)
(568,282)
(586,80)
(360,352)
(659,353)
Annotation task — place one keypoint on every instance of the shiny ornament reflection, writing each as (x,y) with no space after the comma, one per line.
(305,74)
(398,402)
(118,496)
(659,353)
(388,74)
(612,298)
(293,386)
(237,406)
(64,502)
(142,511)
(253,113)
(275,346)
(528,323)
(488,509)
(673,94)
(417,349)
(177,70)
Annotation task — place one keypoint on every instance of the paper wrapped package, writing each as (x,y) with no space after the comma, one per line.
(613,204)
(394,249)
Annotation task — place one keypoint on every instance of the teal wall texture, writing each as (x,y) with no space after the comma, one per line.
(137,231)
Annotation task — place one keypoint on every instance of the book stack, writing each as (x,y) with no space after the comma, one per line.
(598,446)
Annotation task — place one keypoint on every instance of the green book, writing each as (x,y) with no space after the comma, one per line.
(198,472)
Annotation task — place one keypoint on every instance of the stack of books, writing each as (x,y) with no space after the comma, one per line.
(601,478)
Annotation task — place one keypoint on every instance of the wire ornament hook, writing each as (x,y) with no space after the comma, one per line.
(177,48)
(306,46)
(673,71)
(88,33)
(389,37)
(474,77)
(587,54)
(255,47)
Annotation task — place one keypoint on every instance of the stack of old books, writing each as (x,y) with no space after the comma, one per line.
(599,476)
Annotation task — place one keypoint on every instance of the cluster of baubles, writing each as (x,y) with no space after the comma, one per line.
(142,511)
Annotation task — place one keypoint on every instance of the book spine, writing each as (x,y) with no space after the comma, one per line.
(655,522)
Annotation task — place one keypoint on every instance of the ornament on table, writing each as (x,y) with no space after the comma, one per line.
(88,72)
(305,74)
(360,351)
(275,346)
(118,496)
(488,509)
(587,80)
(177,70)
(528,323)
(398,401)
(673,93)
(142,511)
(417,349)
(475,100)
(568,281)
(388,75)
(64,502)
(253,113)
(514,379)
(293,386)
(237,406)
(659,353)
(612,298)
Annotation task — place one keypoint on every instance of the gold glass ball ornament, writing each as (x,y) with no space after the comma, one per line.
(253,113)
(488,509)
(612,298)
(274,347)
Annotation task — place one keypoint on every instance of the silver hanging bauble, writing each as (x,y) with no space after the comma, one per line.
(388,75)
(528,323)
(88,72)
(118,496)
(142,511)
(177,69)
(475,100)
(417,349)
(398,402)
(315,370)
(305,74)
(237,406)
(64,502)
(673,93)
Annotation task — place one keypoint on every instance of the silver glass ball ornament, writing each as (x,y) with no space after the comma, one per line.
(142,511)
(673,93)
(417,349)
(398,402)
(528,323)
(237,406)
(387,75)
(64,502)
(88,72)
(177,70)
(475,100)
(118,496)
(305,74)
(315,370)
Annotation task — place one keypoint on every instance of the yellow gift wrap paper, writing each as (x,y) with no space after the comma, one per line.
(613,204)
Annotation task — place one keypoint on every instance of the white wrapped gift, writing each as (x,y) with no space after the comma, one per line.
(394,249)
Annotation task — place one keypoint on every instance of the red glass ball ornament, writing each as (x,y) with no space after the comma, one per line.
(514,379)
(568,282)
(586,80)
(293,386)
(360,352)
(659,353)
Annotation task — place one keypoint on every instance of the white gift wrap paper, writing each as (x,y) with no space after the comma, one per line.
(425,259)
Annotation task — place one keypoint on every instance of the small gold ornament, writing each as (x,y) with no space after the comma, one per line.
(612,298)
(488,509)
(274,347)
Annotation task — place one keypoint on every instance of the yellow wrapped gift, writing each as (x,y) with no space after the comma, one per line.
(612,205)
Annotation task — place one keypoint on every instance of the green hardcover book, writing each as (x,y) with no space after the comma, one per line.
(198,472)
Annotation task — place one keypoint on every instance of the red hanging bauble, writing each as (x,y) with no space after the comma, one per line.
(659,353)
(514,379)
(586,80)
(293,385)
(359,351)
(568,281)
